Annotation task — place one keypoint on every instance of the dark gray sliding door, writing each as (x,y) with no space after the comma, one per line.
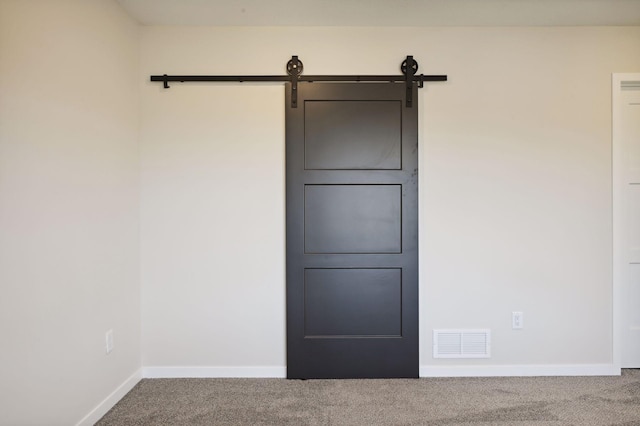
(352,231)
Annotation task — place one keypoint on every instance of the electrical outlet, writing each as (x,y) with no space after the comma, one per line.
(517,320)
(109,342)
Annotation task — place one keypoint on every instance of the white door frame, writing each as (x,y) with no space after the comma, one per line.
(618,180)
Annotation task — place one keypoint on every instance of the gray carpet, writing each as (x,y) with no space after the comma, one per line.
(453,401)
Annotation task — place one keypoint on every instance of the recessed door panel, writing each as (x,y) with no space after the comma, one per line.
(353,219)
(352,135)
(352,302)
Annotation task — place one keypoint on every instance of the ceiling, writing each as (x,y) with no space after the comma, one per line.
(384,12)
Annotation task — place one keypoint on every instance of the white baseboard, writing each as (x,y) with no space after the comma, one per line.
(425,371)
(519,370)
(213,372)
(108,403)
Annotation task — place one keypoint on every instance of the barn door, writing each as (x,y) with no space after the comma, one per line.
(352,231)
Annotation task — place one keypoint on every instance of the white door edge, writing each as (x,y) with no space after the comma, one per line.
(617,213)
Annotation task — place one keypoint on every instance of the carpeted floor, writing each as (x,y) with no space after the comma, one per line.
(453,401)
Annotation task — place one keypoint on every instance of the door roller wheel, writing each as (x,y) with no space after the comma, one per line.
(294,67)
(403,67)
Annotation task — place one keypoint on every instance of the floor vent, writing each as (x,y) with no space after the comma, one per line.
(462,343)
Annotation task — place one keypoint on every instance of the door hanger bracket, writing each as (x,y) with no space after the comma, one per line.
(409,68)
(294,69)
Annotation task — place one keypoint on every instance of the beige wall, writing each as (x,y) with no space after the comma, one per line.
(515,195)
(69,205)
(515,210)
